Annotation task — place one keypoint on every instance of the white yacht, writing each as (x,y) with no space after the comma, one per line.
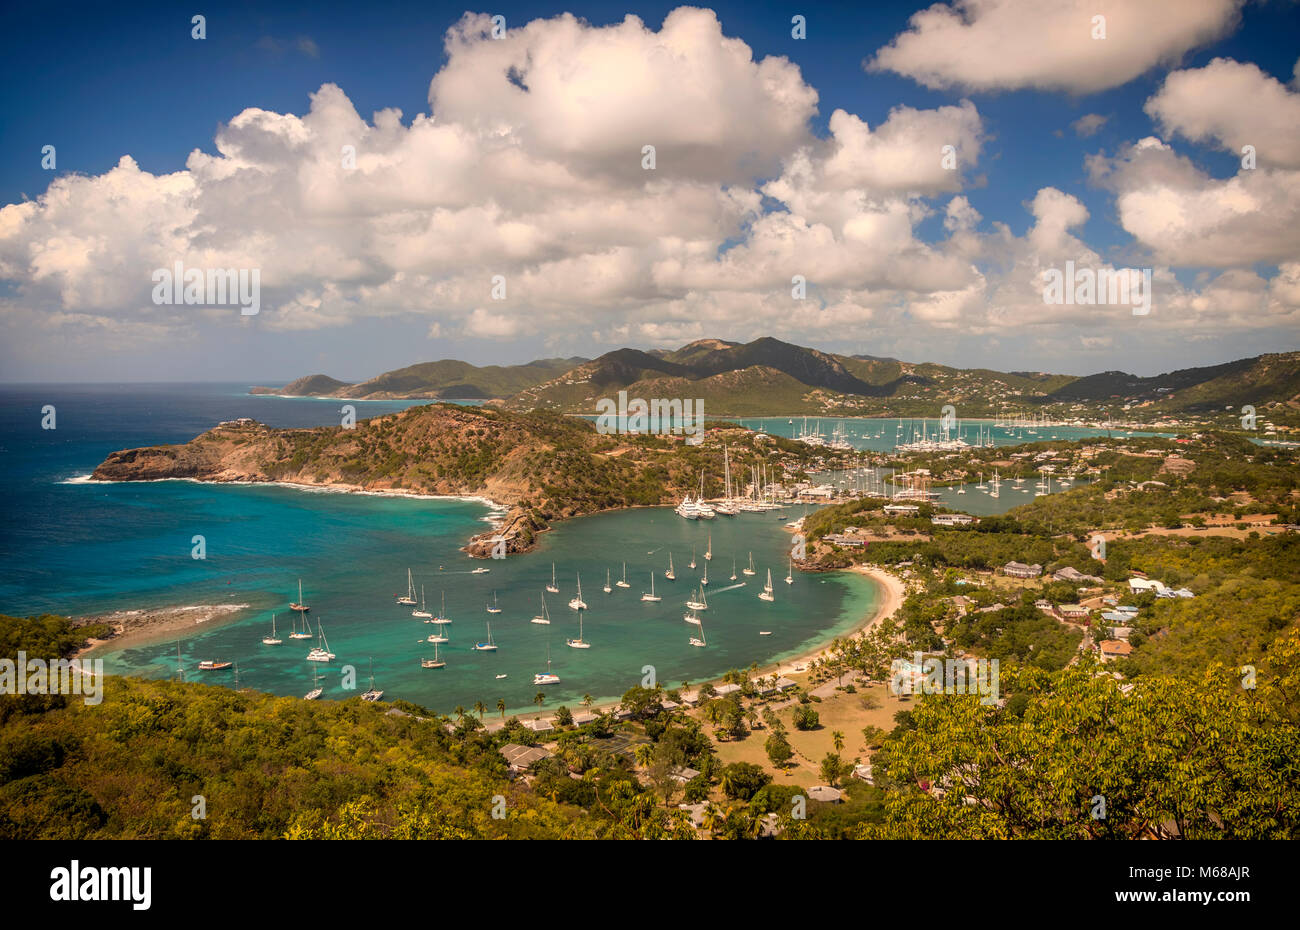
(553,587)
(490,645)
(766,594)
(577,603)
(544,618)
(422,613)
(623,583)
(651,596)
(321,653)
(272,640)
(409,598)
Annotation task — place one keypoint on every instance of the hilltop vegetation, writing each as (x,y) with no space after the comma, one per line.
(768,376)
(447,379)
(543,466)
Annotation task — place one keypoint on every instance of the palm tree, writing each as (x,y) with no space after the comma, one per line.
(501,706)
(587,701)
(539,698)
(459,712)
(838,739)
(645,754)
(712,817)
(480,708)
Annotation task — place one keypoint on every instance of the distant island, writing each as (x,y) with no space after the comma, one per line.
(771,377)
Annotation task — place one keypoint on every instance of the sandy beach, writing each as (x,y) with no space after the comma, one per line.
(894,592)
(132,627)
(796,667)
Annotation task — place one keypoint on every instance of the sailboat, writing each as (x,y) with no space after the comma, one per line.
(579,643)
(299,605)
(547,678)
(789,574)
(651,596)
(374,693)
(272,640)
(699,640)
(692,565)
(409,599)
(996,484)
(435,662)
(439,637)
(544,617)
(321,653)
(733,569)
(608,587)
(494,609)
(422,613)
(623,583)
(750,569)
(442,613)
(304,633)
(708,553)
(962,489)
(705,579)
(695,603)
(553,587)
(670,574)
(577,603)
(692,618)
(316,689)
(766,594)
(489,646)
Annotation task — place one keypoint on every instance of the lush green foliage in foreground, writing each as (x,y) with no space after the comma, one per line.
(1172,757)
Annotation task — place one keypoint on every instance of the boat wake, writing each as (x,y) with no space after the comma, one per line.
(731,587)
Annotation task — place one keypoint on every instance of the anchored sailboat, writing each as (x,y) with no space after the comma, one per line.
(272,640)
(553,587)
(494,609)
(547,678)
(708,553)
(692,565)
(750,569)
(789,574)
(435,662)
(733,569)
(766,594)
(409,599)
(698,602)
(608,587)
(316,689)
(579,643)
(298,604)
(304,633)
(705,580)
(422,613)
(699,640)
(577,603)
(442,613)
(544,617)
(321,653)
(670,574)
(623,583)
(651,596)
(374,693)
(489,646)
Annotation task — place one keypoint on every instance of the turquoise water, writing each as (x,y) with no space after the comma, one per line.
(883,434)
(979,503)
(353,552)
(75,547)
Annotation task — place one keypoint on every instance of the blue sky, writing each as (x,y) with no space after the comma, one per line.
(100,82)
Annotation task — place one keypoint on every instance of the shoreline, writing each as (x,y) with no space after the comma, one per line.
(148,624)
(894,592)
